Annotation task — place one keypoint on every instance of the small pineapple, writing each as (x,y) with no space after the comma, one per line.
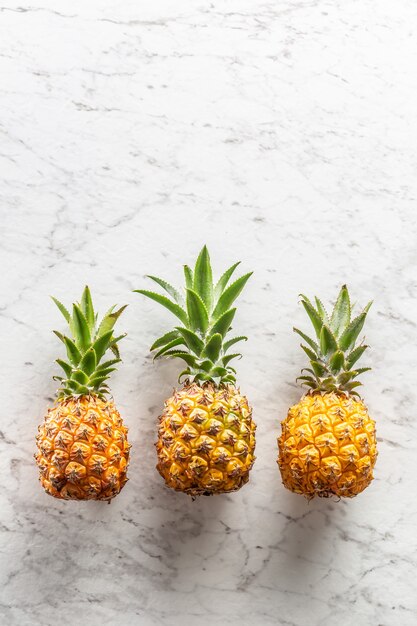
(206,436)
(83,450)
(328,442)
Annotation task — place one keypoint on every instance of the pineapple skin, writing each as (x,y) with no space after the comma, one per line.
(83,452)
(206,439)
(327,446)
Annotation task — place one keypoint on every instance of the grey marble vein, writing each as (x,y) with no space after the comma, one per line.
(280,133)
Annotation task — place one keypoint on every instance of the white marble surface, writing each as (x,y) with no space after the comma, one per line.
(280,133)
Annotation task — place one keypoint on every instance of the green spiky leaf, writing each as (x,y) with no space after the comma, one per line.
(203,278)
(89,361)
(229,295)
(197,311)
(88,344)
(328,344)
(315,318)
(224,279)
(193,342)
(334,356)
(63,310)
(188,275)
(164,340)
(168,288)
(340,318)
(172,344)
(355,355)
(87,307)
(231,342)
(349,336)
(167,303)
(205,323)
(223,324)
(65,366)
(213,347)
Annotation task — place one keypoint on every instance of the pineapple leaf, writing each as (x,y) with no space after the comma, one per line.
(192,341)
(99,380)
(340,318)
(188,274)
(65,366)
(362,370)
(102,373)
(337,361)
(203,278)
(101,344)
(80,377)
(222,325)
(197,312)
(167,303)
(185,356)
(74,354)
(109,320)
(168,288)
(213,347)
(355,355)
(175,342)
(228,357)
(63,310)
(308,340)
(306,378)
(311,355)
(218,372)
(89,361)
(162,341)
(223,280)
(59,335)
(82,334)
(107,364)
(231,342)
(318,368)
(229,295)
(312,314)
(113,345)
(87,307)
(353,385)
(321,310)
(328,344)
(351,333)
(115,349)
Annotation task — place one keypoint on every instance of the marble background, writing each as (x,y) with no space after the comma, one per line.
(280,133)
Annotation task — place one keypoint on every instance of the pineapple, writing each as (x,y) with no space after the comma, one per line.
(206,436)
(82,445)
(328,443)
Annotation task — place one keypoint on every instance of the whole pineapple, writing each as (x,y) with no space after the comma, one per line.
(328,442)
(83,450)
(206,436)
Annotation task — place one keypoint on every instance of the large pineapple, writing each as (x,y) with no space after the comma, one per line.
(328,443)
(82,445)
(206,436)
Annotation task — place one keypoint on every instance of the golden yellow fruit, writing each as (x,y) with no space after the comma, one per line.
(327,446)
(206,439)
(83,450)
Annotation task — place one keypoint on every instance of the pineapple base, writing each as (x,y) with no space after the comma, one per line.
(83,450)
(327,446)
(206,440)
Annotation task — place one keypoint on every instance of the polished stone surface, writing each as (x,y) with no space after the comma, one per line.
(282,134)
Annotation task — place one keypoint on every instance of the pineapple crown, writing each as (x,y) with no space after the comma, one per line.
(333,355)
(206,314)
(90,340)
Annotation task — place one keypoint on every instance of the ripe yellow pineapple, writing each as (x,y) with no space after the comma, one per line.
(328,442)
(206,436)
(83,450)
